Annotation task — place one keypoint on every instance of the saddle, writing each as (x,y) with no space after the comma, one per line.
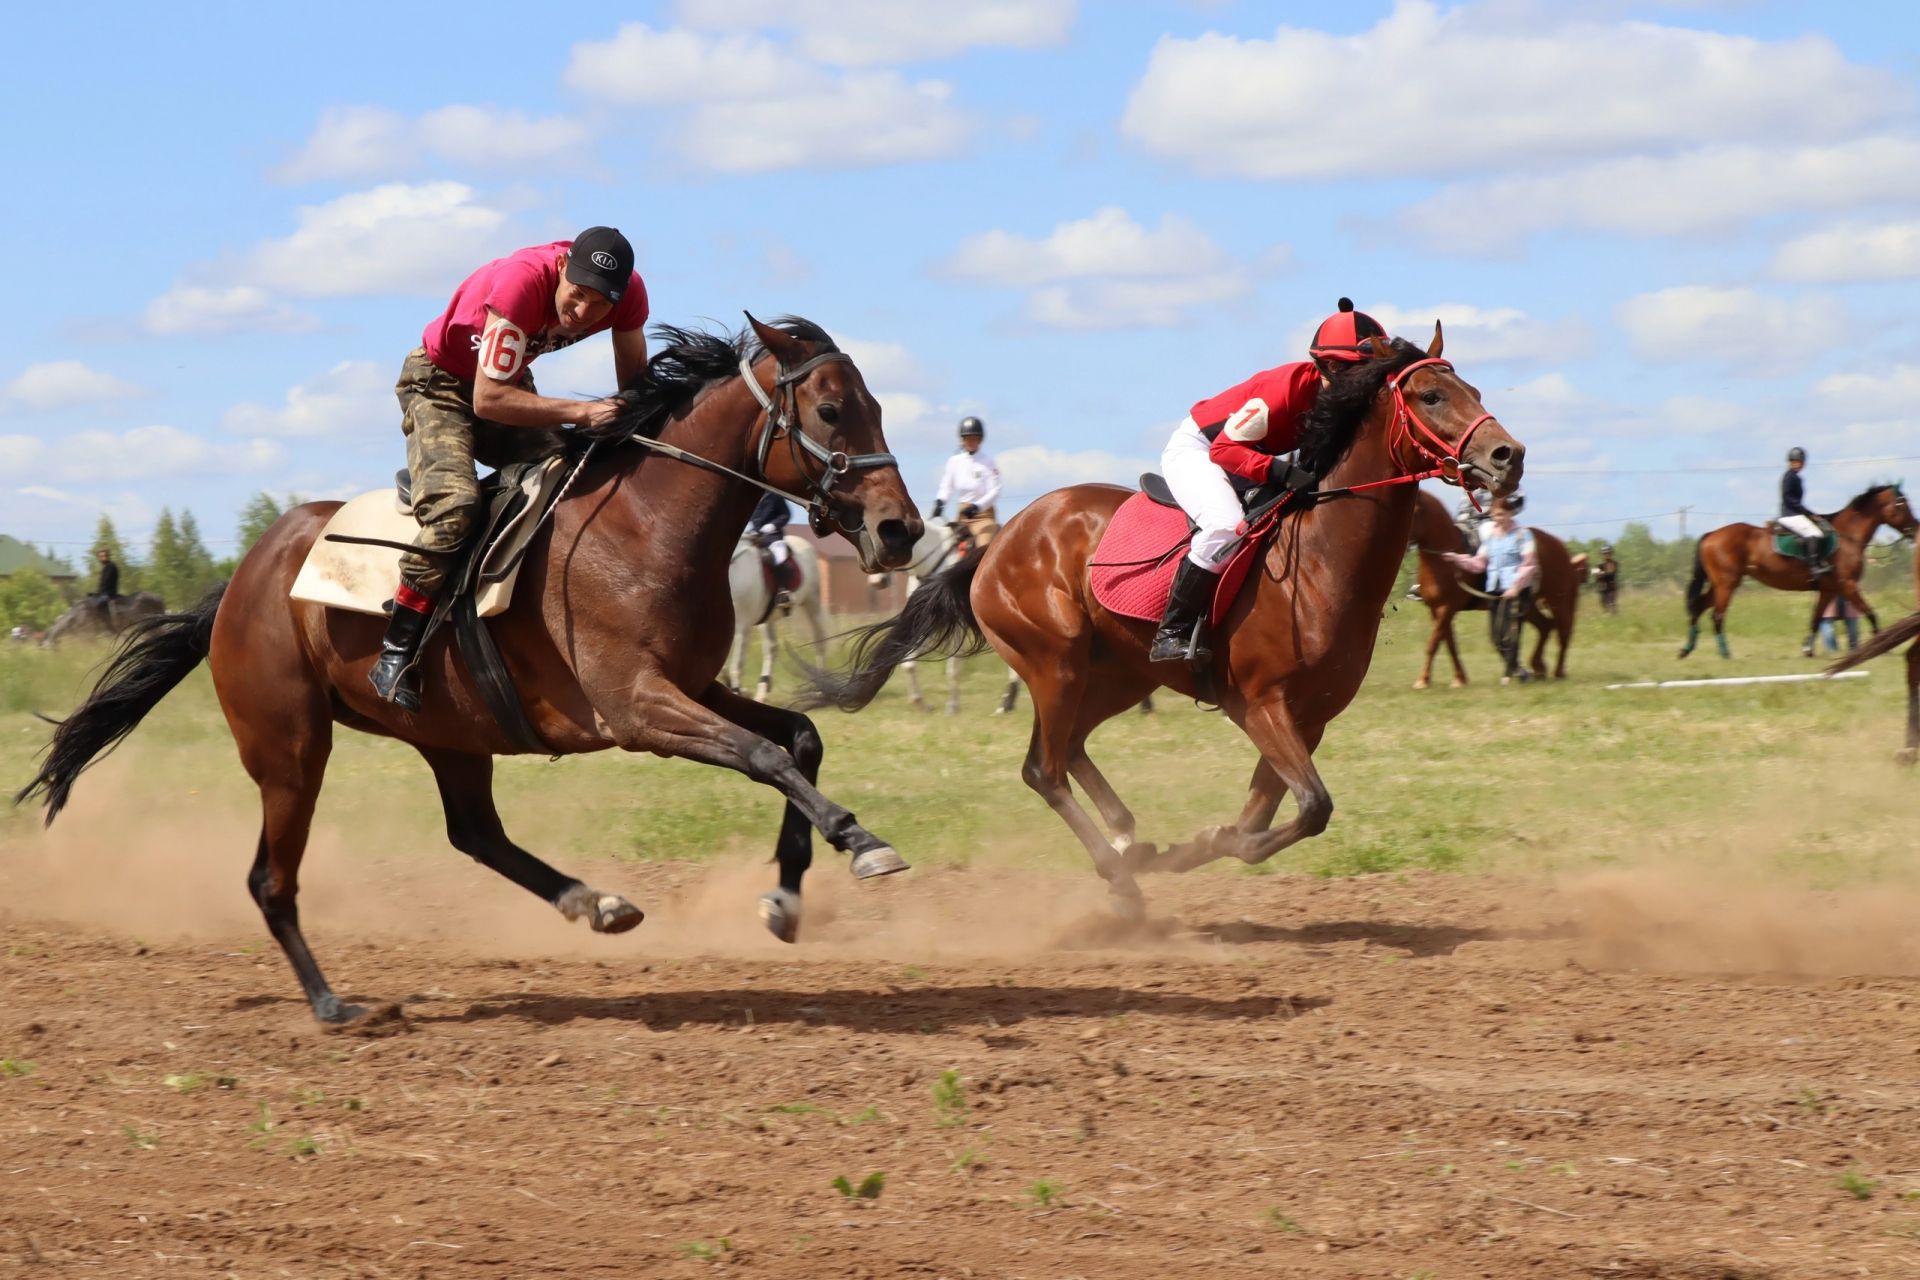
(1794,547)
(1132,569)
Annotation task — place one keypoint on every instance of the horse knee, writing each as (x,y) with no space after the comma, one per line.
(1316,811)
(805,747)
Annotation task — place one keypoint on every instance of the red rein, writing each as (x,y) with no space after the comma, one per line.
(1405,424)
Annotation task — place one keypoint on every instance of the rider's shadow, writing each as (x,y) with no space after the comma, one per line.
(907,1012)
(1417,940)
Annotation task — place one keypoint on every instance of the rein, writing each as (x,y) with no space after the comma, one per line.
(1444,457)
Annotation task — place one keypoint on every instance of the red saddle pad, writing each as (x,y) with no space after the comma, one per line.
(1132,569)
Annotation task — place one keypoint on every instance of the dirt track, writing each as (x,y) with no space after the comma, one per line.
(1382,1077)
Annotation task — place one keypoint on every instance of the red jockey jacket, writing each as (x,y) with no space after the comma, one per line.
(1247,425)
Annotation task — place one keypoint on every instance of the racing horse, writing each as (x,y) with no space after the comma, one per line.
(754,607)
(1447,596)
(97,618)
(1733,552)
(1290,653)
(615,634)
(1897,634)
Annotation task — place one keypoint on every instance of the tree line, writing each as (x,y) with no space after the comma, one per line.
(177,566)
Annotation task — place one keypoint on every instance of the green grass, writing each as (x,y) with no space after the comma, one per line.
(1526,778)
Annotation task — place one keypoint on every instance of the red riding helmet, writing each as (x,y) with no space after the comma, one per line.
(1343,335)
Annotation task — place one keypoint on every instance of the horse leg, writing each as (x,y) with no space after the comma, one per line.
(796,735)
(1288,757)
(737,656)
(912,669)
(1425,679)
(1012,695)
(1095,710)
(288,763)
(1850,590)
(1453,653)
(660,718)
(1912,752)
(953,686)
(1822,597)
(769,641)
(473,827)
(1722,597)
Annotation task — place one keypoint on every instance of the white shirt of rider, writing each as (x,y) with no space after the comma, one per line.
(970,480)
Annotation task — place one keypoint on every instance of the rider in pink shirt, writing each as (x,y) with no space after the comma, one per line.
(467,397)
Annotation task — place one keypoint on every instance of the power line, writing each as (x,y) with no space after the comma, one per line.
(1688,471)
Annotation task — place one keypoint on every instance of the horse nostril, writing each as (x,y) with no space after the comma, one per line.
(893,534)
(1502,454)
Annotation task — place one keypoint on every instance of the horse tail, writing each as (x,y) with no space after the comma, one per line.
(154,654)
(1887,641)
(1697,594)
(937,622)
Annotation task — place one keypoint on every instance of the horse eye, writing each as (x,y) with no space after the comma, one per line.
(829,413)
(1431,397)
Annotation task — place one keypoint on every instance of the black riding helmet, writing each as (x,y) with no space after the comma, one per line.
(1796,454)
(971,428)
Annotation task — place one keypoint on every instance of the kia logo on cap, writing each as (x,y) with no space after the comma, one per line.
(603,260)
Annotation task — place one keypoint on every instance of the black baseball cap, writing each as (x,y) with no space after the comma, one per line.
(601,259)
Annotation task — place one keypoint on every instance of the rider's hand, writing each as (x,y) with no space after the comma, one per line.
(600,414)
(938,505)
(969,511)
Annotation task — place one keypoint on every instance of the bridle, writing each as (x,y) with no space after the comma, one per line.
(783,413)
(1441,460)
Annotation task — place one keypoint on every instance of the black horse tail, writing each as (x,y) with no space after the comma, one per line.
(1895,635)
(154,655)
(1697,593)
(937,622)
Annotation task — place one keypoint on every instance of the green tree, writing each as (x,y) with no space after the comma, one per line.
(166,564)
(256,518)
(28,598)
(202,573)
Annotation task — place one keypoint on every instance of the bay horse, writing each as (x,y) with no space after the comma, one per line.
(1446,596)
(1724,557)
(617,629)
(1289,655)
(1897,634)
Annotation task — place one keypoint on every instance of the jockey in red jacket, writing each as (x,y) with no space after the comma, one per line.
(1236,436)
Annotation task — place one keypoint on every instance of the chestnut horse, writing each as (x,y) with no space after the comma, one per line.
(1897,634)
(617,630)
(1288,657)
(1555,599)
(1734,551)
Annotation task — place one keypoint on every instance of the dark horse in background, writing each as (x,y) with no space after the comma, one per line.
(97,617)
(1446,594)
(1735,551)
(1287,658)
(615,636)
(1897,634)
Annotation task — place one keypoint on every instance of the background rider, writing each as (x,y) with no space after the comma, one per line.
(973,481)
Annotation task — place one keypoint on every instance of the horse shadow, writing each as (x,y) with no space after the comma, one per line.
(1416,940)
(905,1012)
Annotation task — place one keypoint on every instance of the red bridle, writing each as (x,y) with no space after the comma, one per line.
(1408,430)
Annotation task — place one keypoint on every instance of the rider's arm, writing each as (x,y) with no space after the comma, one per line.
(1529,567)
(629,355)
(945,493)
(1476,563)
(991,493)
(1233,451)
(498,397)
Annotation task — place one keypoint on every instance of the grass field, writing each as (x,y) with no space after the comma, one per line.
(1796,778)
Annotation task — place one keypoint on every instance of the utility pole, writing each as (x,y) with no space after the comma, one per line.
(1682,513)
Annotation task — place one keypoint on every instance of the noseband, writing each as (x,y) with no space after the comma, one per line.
(783,419)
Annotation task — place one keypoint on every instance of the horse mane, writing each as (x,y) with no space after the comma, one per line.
(1333,424)
(1862,505)
(688,361)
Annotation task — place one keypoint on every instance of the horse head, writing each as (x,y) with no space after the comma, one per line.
(1894,510)
(1439,422)
(830,448)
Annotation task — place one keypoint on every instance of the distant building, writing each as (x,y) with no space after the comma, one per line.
(16,555)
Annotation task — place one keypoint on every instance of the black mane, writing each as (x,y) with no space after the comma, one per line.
(688,361)
(1333,424)
(1863,504)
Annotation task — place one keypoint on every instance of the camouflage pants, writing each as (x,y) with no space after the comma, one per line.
(444,442)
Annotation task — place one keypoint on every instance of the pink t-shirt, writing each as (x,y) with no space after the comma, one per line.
(520,287)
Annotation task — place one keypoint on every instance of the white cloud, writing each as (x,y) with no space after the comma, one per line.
(59,383)
(1731,327)
(1695,192)
(1105,271)
(856,33)
(140,454)
(221,309)
(1486,335)
(1036,468)
(1882,396)
(1110,243)
(1855,251)
(359,142)
(751,106)
(355,397)
(884,364)
(1427,91)
(396,239)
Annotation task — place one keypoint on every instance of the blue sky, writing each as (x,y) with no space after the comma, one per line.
(1668,240)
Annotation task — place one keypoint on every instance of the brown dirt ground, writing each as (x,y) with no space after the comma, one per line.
(1401,1077)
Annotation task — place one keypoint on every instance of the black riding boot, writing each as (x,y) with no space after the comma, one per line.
(394,676)
(1181,637)
(1817,563)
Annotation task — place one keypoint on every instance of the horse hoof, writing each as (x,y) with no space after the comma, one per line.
(1422,683)
(780,912)
(882,861)
(1457,684)
(615,915)
(1127,903)
(380,1019)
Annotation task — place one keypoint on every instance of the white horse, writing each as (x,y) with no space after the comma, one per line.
(753,607)
(939,548)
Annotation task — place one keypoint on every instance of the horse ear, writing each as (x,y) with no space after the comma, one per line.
(1438,344)
(1379,348)
(784,346)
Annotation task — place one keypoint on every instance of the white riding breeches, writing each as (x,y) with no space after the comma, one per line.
(1800,527)
(776,545)
(1204,493)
